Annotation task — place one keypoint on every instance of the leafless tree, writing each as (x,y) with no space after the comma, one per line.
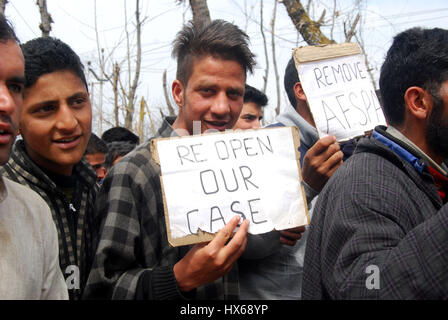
(3,6)
(133,83)
(265,47)
(165,93)
(201,14)
(45,17)
(200,11)
(309,29)
(274,60)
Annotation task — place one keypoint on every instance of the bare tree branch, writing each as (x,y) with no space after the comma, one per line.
(274,60)
(349,35)
(308,28)
(201,14)
(322,18)
(165,92)
(116,76)
(3,6)
(265,47)
(45,17)
(133,88)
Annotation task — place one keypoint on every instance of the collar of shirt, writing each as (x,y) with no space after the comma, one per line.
(417,151)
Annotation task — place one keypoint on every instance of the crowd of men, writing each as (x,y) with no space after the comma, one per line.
(82,217)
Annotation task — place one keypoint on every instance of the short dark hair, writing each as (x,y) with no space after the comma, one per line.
(117,149)
(417,57)
(6,30)
(96,145)
(290,79)
(219,39)
(254,95)
(120,134)
(46,55)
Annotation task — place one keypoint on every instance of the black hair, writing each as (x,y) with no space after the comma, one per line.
(6,30)
(117,149)
(46,55)
(290,79)
(120,134)
(96,145)
(219,38)
(417,57)
(254,95)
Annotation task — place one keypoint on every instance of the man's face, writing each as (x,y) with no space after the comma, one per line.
(56,121)
(437,127)
(97,161)
(213,95)
(11,90)
(250,117)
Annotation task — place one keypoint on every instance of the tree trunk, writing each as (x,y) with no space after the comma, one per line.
(201,14)
(308,28)
(165,92)
(3,6)
(274,60)
(133,88)
(116,76)
(265,47)
(45,18)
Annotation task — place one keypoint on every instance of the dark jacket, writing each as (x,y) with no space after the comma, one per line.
(379,230)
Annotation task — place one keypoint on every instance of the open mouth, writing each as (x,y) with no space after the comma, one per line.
(6,134)
(68,142)
(217,125)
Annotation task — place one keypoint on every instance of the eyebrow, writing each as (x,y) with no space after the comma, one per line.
(77,95)
(17,79)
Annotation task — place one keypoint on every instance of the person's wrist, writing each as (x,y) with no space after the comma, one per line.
(182,282)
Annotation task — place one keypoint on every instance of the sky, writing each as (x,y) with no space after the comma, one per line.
(74,23)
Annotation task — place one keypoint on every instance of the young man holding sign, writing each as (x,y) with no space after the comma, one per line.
(134,259)
(380,226)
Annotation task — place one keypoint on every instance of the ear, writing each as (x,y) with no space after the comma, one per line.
(177,89)
(298,91)
(418,102)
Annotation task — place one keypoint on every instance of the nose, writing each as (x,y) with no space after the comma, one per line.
(256,124)
(66,120)
(7,104)
(101,173)
(221,105)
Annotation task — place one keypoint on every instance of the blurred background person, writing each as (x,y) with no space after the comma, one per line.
(252,113)
(116,151)
(96,155)
(120,134)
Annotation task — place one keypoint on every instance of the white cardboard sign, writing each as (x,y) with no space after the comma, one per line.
(208,179)
(339,92)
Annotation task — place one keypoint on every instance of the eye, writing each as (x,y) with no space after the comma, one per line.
(78,101)
(45,109)
(249,117)
(206,91)
(234,94)
(15,87)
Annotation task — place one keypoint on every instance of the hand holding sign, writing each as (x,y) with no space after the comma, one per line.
(321,161)
(206,262)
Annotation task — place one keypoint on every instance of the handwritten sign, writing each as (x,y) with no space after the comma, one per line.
(208,179)
(339,91)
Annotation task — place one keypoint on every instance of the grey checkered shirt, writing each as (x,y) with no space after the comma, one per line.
(133,237)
